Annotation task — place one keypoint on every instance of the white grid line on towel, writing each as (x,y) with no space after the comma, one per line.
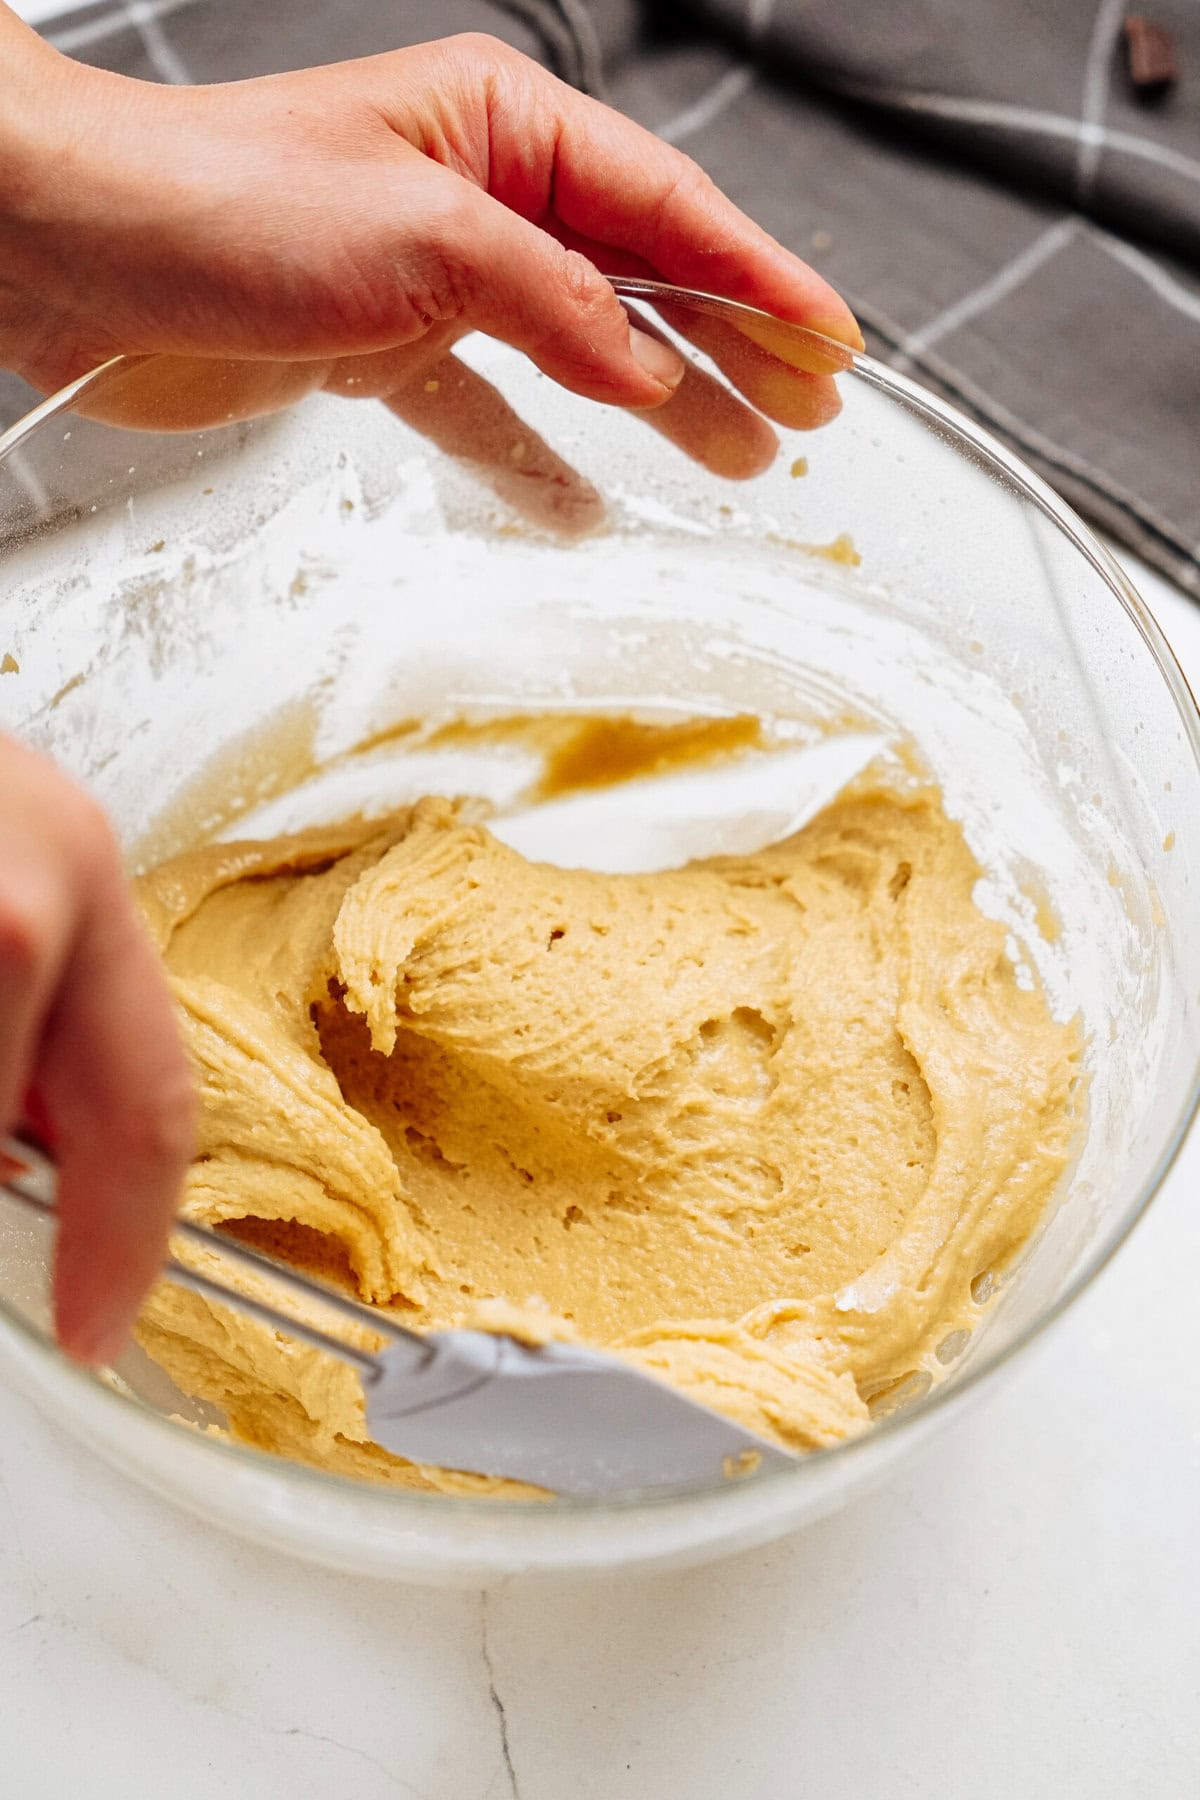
(759,14)
(94,31)
(1035,443)
(1006,117)
(727,88)
(166,61)
(1172,292)
(1097,74)
(981,299)
(719,97)
(577,17)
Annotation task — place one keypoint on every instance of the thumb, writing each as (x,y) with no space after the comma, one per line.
(523,287)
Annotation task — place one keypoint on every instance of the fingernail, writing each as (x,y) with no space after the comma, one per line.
(658,359)
(95,1345)
(842,330)
(108,1346)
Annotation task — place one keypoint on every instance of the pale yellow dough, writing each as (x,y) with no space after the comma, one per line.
(757,1124)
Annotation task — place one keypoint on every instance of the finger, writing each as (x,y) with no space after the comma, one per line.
(713,427)
(767,360)
(469,419)
(36,914)
(622,186)
(378,374)
(519,284)
(194,393)
(34,931)
(117,1087)
(791,396)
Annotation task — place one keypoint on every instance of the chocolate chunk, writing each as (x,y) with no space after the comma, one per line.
(1151,52)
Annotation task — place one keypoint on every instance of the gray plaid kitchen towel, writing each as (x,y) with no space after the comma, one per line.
(1013,219)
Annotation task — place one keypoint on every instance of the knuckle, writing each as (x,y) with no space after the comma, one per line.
(586,288)
(24,933)
(158,1133)
(358,309)
(585,334)
(439,281)
(483,47)
(691,193)
(393,299)
(692,181)
(438,290)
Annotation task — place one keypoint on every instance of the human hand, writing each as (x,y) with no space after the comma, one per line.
(338,228)
(342,224)
(89,1051)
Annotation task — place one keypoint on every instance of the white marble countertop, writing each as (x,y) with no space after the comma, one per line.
(1014,1616)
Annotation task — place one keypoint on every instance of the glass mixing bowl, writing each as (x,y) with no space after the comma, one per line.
(207,626)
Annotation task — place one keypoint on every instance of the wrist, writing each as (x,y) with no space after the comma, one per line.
(34,94)
(63,124)
(54,112)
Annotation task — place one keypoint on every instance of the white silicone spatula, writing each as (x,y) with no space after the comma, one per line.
(665,821)
(560,1416)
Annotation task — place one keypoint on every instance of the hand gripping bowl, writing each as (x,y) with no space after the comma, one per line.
(204,625)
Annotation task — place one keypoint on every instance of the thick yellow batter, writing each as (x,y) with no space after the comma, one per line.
(759,1123)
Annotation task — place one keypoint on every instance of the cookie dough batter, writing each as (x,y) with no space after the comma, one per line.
(759,1124)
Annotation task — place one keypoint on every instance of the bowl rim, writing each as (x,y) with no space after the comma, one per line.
(966,436)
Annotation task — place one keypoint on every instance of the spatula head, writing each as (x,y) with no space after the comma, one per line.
(559,1416)
(665,821)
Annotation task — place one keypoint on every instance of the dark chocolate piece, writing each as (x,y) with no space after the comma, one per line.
(1151,52)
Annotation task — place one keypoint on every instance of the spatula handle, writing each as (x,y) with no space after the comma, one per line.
(32,1179)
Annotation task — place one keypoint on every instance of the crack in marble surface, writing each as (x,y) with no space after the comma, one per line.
(320,1737)
(399,1784)
(494,1697)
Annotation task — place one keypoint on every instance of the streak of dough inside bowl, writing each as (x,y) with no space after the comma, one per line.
(758,1123)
